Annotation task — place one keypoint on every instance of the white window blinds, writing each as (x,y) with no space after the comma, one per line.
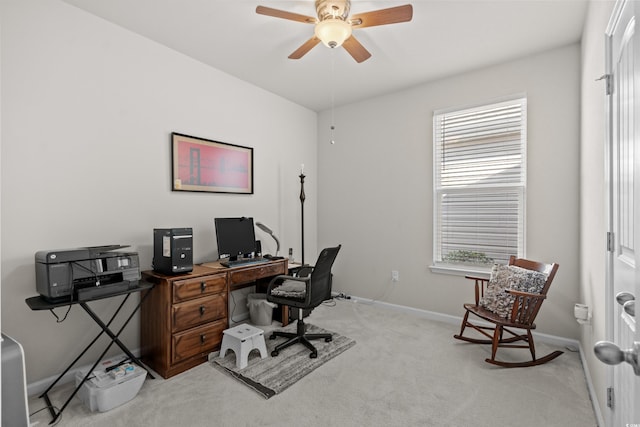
(479,184)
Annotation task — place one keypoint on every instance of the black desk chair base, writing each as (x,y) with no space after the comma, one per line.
(299,337)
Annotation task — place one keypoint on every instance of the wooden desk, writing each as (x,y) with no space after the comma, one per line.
(250,275)
(256,275)
(182,319)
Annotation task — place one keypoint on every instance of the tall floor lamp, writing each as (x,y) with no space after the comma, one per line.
(302,197)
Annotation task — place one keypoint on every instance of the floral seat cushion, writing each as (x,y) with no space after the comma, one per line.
(510,277)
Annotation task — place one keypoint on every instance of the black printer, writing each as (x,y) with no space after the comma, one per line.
(85,273)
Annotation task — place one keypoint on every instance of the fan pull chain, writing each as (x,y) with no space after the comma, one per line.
(333,96)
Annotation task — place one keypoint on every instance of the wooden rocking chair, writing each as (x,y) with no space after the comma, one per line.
(520,314)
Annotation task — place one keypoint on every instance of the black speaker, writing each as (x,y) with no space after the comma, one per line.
(173,250)
(258,248)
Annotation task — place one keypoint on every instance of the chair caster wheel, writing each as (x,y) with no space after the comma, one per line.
(328,339)
(313,355)
(274,353)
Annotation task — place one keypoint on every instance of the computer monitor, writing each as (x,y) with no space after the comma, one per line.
(236,237)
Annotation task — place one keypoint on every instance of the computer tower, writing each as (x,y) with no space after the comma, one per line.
(173,250)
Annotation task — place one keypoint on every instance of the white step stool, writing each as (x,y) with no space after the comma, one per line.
(242,339)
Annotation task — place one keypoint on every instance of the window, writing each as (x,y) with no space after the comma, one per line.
(479,185)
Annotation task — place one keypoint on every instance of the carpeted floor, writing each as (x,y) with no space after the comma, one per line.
(405,370)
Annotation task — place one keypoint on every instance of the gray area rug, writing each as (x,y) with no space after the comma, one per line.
(272,375)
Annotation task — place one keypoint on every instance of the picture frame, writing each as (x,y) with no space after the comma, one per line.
(204,165)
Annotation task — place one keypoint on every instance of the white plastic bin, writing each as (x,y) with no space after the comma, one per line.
(260,310)
(106,390)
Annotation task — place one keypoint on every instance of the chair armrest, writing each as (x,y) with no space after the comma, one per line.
(484,279)
(305,270)
(480,283)
(525,306)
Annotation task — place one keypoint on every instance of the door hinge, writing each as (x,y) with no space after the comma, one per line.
(609,241)
(610,397)
(608,83)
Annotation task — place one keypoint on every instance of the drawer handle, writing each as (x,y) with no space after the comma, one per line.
(202,310)
(203,338)
(203,286)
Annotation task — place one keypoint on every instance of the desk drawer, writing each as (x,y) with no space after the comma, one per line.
(196,312)
(184,290)
(247,275)
(197,341)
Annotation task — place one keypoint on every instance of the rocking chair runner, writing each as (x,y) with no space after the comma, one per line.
(519,306)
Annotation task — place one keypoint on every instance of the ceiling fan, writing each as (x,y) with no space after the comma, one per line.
(333,26)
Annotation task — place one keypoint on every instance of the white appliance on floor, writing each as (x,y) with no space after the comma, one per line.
(15,410)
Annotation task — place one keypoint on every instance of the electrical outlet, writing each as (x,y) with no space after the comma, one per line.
(395,276)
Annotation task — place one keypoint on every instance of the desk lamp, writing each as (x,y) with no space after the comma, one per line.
(267,230)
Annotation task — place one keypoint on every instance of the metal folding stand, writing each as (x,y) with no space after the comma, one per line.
(38,303)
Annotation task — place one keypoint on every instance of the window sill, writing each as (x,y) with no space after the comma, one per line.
(459,270)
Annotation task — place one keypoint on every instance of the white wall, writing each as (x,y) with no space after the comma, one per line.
(592,192)
(375,188)
(87,112)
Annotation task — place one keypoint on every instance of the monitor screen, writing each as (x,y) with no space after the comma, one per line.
(235,237)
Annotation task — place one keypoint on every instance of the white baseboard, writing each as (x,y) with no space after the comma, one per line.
(456,320)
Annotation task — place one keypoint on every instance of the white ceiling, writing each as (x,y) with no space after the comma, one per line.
(445,37)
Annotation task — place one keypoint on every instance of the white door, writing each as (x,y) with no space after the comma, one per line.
(623,272)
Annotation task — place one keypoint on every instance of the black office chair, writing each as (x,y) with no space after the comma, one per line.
(303,293)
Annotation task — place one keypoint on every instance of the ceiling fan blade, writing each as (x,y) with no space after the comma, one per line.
(306,47)
(277,13)
(393,15)
(355,49)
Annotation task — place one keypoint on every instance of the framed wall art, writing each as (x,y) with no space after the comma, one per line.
(210,166)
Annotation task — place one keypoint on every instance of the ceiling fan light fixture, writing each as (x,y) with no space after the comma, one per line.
(333,32)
